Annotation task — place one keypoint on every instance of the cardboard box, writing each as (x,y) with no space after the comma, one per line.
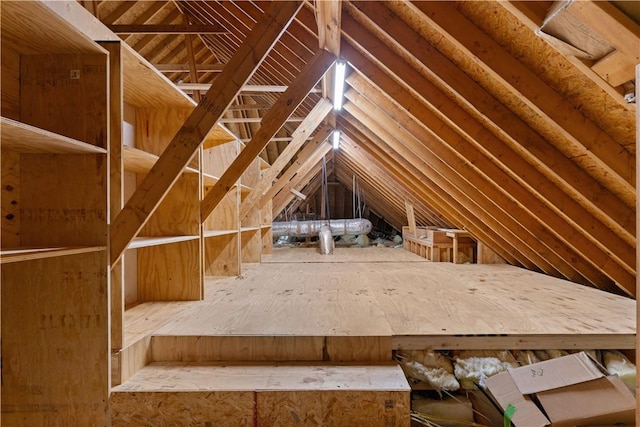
(572,391)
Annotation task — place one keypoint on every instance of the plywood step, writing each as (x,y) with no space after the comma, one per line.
(214,348)
(318,394)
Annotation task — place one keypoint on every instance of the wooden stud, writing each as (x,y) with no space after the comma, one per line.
(165,172)
(168,29)
(272,122)
(411,219)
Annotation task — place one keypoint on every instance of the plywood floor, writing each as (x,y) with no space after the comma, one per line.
(393,293)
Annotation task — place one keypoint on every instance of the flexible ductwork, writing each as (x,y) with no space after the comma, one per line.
(339,227)
(326,240)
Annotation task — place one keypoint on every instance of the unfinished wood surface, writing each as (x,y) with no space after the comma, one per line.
(151,409)
(178,214)
(25,138)
(77,219)
(143,319)
(251,245)
(10,79)
(128,360)
(506,306)
(358,349)
(55,341)
(22,26)
(221,255)
(324,301)
(9,255)
(170,272)
(200,348)
(271,376)
(335,409)
(341,255)
(52,87)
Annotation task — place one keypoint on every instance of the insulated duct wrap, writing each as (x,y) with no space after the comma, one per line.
(339,227)
(326,240)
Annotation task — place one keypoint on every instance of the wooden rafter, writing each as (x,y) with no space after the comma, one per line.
(299,137)
(167,29)
(272,122)
(165,172)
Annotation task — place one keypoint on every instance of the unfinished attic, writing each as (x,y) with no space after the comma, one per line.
(318,213)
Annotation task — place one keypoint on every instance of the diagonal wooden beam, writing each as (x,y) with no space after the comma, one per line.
(271,123)
(309,170)
(185,143)
(313,152)
(184,68)
(299,137)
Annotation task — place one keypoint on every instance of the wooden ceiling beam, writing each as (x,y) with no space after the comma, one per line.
(184,68)
(158,29)
(306,174)
(311,154)
(552,224)
(576,128)
(183,146)
(299,137)
(522,140)
(272,122)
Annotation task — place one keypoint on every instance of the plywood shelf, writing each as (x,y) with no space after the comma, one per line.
(9,255)
(25,138)
(23,27)
(143,242)
(140,161)
(249,229)
(217,233)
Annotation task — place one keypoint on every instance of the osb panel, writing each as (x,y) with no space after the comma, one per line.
(11,202)
(333,408)
(66,94)
(358,349)
(219,409)
(55,341)
(170,272)
(554,69)
(236,348)
(63,199)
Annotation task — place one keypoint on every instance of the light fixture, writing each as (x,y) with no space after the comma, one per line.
(338,82)
(336,139)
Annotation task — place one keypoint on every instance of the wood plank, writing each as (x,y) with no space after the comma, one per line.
(616,68)
(22,28)
(163,175)
(10,79)
(11,201)
(170,272)
(299,137)
(144,242)
(25,138)
(55,341)
(116,182)
(213,377)
(9,255)
(198,348)
(273,121)
(307,152)
(411,219)
(183,68)
(50,94)
(167,29)
(222,255)
(358,349)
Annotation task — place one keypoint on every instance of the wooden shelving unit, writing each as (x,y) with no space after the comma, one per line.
(55,284)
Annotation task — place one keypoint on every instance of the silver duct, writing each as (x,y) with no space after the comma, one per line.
(339,227)
(326,240)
